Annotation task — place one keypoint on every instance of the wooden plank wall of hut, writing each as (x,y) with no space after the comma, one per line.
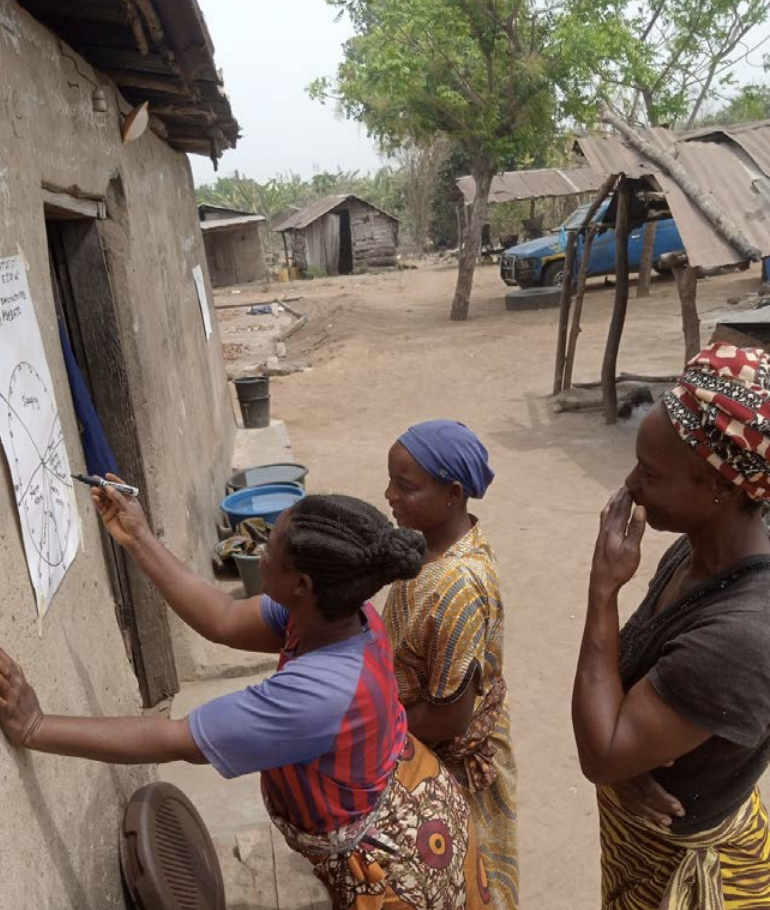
(375,238)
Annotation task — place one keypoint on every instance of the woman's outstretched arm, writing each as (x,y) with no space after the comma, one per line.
(212,613)
(117,740)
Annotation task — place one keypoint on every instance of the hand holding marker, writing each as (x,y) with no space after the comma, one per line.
(100,482)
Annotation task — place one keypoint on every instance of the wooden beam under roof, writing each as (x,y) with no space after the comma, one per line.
(83,10)
(105,58)
(158,51)
(154,84)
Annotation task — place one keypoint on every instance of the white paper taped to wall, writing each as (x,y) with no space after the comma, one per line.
(203,299)
(31,435)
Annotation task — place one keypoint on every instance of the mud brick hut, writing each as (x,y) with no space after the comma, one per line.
(234,245)
(107,236)
(340,235)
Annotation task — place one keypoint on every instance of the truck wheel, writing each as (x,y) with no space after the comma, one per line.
(553,275)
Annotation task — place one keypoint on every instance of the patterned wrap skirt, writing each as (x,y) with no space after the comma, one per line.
(416,851)
(647,867)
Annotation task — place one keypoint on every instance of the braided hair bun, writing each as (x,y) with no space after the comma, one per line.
(349,550)
(398,554)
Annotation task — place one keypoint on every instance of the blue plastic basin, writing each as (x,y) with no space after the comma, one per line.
(265,502)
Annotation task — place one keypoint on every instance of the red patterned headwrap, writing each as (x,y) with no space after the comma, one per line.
(721,409)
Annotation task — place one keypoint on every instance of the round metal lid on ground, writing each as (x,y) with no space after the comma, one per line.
(532,298)
(167,856)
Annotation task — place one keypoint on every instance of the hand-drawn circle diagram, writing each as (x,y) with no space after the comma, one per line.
(41,467)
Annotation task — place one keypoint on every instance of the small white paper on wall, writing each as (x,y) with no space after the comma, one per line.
(203,299)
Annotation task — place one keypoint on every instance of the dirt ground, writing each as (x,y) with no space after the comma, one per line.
(385,355)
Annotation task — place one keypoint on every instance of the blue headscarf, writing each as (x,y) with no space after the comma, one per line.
(450,452)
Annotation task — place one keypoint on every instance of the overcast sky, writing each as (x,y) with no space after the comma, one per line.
(270,50)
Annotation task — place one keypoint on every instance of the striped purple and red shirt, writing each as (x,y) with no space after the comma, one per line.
(326,730)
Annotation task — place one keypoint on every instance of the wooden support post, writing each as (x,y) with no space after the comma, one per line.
(648,252)
(604,191)
(687,286)
(564,308)
(578,310)
(609,366)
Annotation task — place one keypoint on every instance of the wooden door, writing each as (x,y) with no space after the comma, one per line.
(87,307)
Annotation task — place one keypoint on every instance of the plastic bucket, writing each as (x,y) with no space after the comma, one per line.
(265,502)
(254,399)
(248,569)
(267,473)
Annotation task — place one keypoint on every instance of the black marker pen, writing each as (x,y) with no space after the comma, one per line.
(101,482)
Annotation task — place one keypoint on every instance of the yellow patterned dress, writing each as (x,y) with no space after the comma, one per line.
(444,626)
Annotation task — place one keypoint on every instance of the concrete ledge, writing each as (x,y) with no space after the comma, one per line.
(270,445)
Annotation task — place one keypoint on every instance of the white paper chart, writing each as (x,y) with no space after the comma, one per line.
(31,435)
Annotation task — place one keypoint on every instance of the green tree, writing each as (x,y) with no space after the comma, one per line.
(470,69)
(752,102)
(420,169)
(654,61)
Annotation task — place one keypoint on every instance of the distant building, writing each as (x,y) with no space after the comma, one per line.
(340,235)
(234,243)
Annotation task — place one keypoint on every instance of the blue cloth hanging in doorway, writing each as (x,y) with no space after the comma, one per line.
(99,457)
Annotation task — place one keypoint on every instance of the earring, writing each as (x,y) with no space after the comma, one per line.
(716,499)
(449,505)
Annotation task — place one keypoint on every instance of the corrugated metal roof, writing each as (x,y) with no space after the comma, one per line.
(311,213)
(206,208)
(731,186)
(753,138)
(719,170)
(543,183)
(220,223)
(608,155)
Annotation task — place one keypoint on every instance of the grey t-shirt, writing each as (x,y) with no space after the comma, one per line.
(708,657)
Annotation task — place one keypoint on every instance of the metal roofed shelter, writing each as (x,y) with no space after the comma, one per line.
(520,186)
(340,235)
(234,248)
(542,183)
(723,169)
(714,186)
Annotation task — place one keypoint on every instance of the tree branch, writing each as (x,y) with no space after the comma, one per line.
(723,224)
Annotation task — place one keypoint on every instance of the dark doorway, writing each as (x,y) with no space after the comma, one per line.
(346,244)
(87,313)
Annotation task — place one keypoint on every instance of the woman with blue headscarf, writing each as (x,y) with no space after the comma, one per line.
(446,629)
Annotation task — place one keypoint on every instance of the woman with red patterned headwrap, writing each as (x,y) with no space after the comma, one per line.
(672,714)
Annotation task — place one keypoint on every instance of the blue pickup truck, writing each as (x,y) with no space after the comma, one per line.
(541,262)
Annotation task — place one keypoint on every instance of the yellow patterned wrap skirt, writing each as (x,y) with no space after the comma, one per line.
(647,867)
